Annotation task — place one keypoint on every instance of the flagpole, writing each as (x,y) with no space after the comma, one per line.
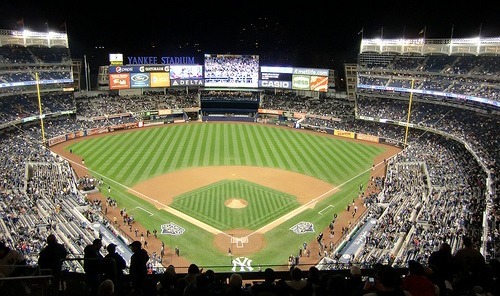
(361,32)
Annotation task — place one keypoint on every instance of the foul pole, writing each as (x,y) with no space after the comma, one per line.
(40,106)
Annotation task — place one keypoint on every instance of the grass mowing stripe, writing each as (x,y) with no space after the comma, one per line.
(235,146)
(207,160)
(83,147)
(179,153)
(223,152)
(138,155)
(265,147)
(193,148)
(264,137)
(188,151)
(317,162)
(199,138)
(110,158)
(342,162)
(275,145)
(316,166)
(228,142)
(107,152)
(367,152)
(160,164)
(247,157)
(152,149)
(255,149)
(354,163)
(228,146)
(214,145)
(293,162)
(303,156)
(337,167)
(174,146)
(260,154)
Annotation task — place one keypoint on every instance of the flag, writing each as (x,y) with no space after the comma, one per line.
(422,31)
(361,32)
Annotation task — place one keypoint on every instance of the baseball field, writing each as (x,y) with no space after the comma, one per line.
(258,191)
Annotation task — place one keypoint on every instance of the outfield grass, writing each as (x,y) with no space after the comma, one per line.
(126,159)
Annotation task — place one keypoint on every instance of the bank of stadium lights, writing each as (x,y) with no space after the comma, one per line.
(421,41)
(49,35)
(379,41)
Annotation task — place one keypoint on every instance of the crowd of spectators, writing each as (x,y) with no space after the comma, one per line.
(441,188)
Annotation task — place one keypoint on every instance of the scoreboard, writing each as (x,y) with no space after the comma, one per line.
(227,71)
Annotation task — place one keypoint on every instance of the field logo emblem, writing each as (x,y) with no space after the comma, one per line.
(172,229)
(242,264)
(302,227)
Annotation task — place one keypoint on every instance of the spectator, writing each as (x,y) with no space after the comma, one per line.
(92,265)
(297,285)
(268,286)
(106,288)
(52,256)
(440,263)
(115,264)
(235,286)
(167,285)
(313,279)
(193,271)
(138,268)
(355,282)
(387,282)
(416,282)
(12,263)
(469,266)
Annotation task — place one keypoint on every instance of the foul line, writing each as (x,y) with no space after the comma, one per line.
(150,214)
(328,206)
(181,215)
(303,207)
(214,230)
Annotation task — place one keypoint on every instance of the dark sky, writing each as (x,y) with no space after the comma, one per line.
(320,34)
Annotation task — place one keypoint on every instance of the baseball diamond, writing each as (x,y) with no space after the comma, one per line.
(186,174)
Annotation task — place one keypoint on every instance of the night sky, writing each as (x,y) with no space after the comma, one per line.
(321,34)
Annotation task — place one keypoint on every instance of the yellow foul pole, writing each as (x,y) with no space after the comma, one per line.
(40,106)
(409,111)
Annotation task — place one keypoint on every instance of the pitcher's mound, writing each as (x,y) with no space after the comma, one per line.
(236,203)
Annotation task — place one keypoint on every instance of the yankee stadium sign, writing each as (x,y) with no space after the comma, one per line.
(151,60)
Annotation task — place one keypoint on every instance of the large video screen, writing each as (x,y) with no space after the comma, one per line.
(222,70)
(275,77)
(310,79)
(186,75)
